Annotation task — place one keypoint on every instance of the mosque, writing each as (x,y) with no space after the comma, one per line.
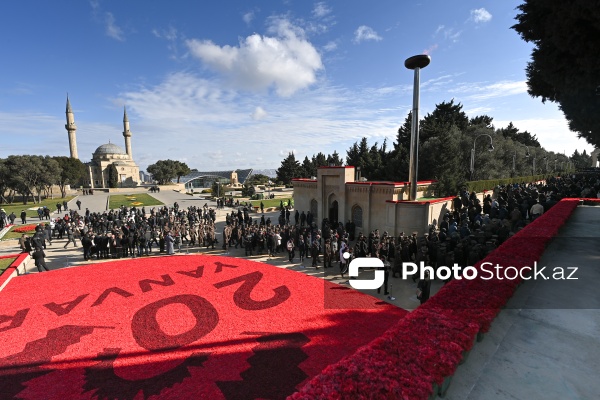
(106,155)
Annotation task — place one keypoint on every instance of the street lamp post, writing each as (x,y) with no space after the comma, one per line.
(490,148)
(555,160)
(546,158)
(515,156)
(415,63)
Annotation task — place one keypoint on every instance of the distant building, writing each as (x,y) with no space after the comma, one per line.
(106,155)
(271,173)
(145,177)
(205,179)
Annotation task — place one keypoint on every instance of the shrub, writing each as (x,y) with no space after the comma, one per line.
(480,186)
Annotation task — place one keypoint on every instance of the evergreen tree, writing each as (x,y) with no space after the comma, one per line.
(113,176)
(445,115)
(289,169)
(564,60)
(308,168)
(335,160)
(319,161)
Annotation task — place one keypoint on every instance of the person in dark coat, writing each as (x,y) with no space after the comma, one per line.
(23,217)
(38,257)
(424,288)
(86,243)
(386,275)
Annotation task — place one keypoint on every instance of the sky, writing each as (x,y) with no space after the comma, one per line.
(240,84)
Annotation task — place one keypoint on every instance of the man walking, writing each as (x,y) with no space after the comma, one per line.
(70,237)
(23,217)
(38,257)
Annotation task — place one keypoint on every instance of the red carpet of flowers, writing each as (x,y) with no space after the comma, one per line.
(25,228)
(180,327)
(426,346)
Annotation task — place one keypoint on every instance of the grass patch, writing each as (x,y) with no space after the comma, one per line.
(271,202)
(17,207)
(5,263)
(132,200)
(14,235)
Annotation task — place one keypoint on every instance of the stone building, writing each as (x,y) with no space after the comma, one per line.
(339,196)
(106,155)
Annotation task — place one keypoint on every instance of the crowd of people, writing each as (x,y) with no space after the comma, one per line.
(464,235)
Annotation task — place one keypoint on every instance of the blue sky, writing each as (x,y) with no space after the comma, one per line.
(239,84)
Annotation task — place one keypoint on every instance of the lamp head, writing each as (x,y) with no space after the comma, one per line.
(527,154)
(491,147)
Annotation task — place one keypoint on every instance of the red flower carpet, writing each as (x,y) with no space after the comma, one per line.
(180,327)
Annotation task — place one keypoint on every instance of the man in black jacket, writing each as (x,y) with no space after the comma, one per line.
(38,257)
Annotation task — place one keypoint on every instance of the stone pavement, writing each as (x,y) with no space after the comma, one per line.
(403,291)
(545,343)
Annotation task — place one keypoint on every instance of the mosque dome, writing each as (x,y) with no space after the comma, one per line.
(109,148)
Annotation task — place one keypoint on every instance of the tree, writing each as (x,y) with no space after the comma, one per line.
(27,173)
(72,170)
(359,156)
(181,169)
(308,168)
(441,161)
(319,160)
(482,120)
(581,159)
(335,160)
(48,176)
(564,61)
(4,180)
(258,179)
(163,171)
(289,169)
(113,176)
(526,138)
(444,116)
(399,157)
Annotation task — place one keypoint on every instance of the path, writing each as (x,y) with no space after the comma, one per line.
(545,344)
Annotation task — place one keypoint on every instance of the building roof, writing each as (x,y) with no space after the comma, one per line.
(109,148)
(243,175)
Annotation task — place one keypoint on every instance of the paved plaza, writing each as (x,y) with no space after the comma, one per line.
(403,291)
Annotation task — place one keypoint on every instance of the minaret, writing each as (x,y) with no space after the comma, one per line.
(127,133)
(71,129)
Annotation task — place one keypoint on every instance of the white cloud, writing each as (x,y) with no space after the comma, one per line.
(321,10)
(185,110)
(474,91)
(330,46)
(259,113)
(169,34)
(365,33)
(108,20)
(248,17)
(450,34)
(112,30)
(287,61)
(480,15)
